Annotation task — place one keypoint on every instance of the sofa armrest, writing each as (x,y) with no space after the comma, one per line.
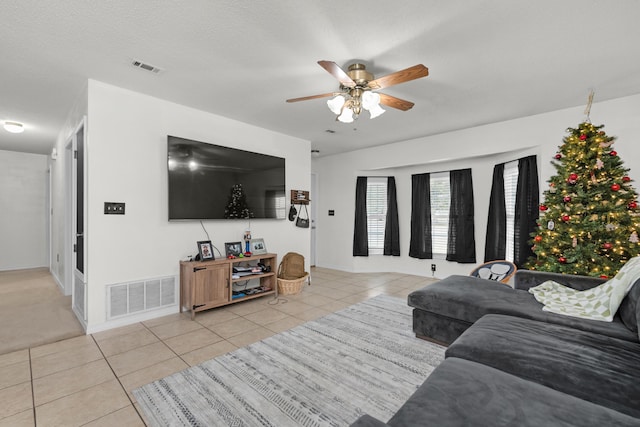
(525,279)
(368,421)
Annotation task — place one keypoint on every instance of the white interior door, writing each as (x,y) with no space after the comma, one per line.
(78,220)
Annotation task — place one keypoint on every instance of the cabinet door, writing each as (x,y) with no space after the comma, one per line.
(211,285)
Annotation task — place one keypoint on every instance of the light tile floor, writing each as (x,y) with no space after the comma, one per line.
(88,380)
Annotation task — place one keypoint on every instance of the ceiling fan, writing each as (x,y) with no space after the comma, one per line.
(356,90)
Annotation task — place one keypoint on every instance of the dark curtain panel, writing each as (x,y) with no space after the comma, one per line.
(461,242)
(496,242)
(360,235)
(420,245)
(527,201)
(391,229)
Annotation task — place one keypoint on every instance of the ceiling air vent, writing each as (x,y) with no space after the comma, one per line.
(145,66)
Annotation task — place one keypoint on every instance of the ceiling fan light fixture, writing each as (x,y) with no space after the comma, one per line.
(376,111)
(13,127)
(336,104)
(346,116)
(371,103)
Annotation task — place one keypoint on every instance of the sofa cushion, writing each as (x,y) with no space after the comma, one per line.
(594,367)
(630,308)
(469,298)
(463,393)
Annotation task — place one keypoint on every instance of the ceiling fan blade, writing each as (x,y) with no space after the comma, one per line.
(338,73)
(393,102)
(306,98)
(398,77)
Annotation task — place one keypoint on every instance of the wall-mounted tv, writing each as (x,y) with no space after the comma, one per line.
(208,181)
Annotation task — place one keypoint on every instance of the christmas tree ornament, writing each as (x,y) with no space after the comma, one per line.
(583,137)
(552,188)
(632,205)
(566,199)
(615,187)
(634,237)
(537,239)
(543,208)
(558,156)
(626,179)
(566,218)
(574,242)
(607,245)
(610,227)
(562,260)
(573,176)
(551,225)
(599,164)
(613,153)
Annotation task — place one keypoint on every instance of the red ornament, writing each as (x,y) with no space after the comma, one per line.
(543,208)
(604,276)
(538,239)
(573,176)
(565,217)
(566,199)
(626,179)
(562,260)
(558,156)
(632,205)
(607,245)
(615,187)
(583,137)
(613,153)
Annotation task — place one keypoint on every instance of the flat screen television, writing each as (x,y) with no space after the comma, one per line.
(208,181)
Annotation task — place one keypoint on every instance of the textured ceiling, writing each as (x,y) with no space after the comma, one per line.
(489,60)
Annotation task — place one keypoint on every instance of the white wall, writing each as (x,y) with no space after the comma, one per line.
(479,148)
(127,162)
(24,195)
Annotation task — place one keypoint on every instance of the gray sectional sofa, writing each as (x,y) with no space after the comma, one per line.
(509,363)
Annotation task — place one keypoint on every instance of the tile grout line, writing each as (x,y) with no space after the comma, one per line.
(119,382)
(33,393)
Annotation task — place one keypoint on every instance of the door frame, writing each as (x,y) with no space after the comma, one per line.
(73,276)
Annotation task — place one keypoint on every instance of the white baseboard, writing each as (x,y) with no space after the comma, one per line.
(128,320)
(57,280)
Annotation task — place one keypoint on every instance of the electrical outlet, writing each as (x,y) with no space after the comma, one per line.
(433,268)
(113,208)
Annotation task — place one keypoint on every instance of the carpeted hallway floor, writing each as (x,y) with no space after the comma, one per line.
(33,310)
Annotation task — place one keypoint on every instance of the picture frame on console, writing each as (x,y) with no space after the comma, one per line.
(205,250)
(232,249)
(258,247)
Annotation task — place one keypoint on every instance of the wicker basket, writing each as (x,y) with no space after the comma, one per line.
(291,287)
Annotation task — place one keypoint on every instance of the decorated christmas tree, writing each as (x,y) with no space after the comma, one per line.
(237,206)
(589,219)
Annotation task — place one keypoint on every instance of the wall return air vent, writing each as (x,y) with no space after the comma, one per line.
(147,67)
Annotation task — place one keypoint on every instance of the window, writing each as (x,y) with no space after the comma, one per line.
(510,189)
(376,213)
(440,204)
(442,216)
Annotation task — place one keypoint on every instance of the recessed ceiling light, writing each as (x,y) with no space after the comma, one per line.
(13,127)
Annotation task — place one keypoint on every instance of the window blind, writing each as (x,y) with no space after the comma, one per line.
(510,190)
(376,213)
(440,204)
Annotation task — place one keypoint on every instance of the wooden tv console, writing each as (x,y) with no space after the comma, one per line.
(209,284)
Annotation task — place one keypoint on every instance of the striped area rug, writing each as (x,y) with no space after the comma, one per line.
(327,372)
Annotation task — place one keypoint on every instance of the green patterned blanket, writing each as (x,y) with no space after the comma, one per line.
(599,303)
